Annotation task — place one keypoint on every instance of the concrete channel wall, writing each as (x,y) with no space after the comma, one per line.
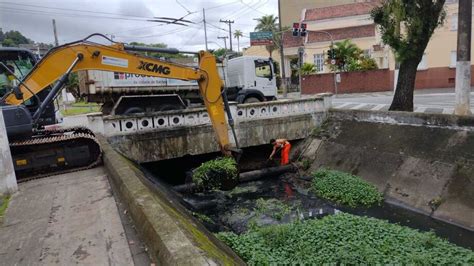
(420,161)
(192,134)
(172,235)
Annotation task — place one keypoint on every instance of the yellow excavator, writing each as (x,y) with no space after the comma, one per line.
(39,152)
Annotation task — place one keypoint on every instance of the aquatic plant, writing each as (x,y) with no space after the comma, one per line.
(211,174)
(344,239)
(345,188)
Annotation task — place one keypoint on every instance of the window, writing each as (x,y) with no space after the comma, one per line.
(422,65)
(453,59)
(454,22)
(319,62)
(263,69)
(367,53)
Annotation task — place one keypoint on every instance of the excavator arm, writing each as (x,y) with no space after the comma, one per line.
(85,55)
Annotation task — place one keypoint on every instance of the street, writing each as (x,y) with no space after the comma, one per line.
(426,101)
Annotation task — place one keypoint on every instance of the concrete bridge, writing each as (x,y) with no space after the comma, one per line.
(166,135)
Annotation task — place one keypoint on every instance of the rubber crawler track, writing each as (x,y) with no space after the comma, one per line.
(56,137)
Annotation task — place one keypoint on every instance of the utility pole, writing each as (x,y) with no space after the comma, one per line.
(229,22)
(225,41)
(56,43)
(463,64)
(205,27)
(282,56)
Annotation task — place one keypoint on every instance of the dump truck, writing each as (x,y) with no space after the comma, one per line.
(246,79)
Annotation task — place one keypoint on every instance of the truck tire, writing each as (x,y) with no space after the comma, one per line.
(133,110)
(170,107)
(251,100)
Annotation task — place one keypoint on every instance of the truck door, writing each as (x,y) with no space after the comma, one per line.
(264,78)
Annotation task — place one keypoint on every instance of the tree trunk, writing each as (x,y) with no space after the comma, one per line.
(403,98)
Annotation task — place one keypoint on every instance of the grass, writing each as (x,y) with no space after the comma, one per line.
(3,206)
(80,108)
(344,239)
(344,188)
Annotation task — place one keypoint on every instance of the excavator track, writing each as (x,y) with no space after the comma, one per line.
(55,151)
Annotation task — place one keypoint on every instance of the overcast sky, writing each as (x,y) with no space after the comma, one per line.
(127,19)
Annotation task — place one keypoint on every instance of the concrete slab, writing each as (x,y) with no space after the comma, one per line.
(63,220)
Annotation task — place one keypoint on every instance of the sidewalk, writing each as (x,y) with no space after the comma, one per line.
(64,220)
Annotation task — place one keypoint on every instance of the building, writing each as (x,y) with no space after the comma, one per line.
(291,9)
(39,49)
(352,21)
(291,12)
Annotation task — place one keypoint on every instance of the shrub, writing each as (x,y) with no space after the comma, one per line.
(211,174)
(344,239)
(345,188)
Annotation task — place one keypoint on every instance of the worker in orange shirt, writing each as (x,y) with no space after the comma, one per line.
(285,147)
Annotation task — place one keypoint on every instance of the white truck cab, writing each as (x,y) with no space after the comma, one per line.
(251,79)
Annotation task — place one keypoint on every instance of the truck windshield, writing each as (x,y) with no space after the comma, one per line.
(18,62)
(263,69)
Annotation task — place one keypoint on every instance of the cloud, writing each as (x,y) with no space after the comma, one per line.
(130,23)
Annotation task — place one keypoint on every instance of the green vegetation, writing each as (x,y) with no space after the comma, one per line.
(14,38)
(202,217)
(349,57)
(344,239)
(345,188)
(4,200)
(211,174)
(308,68)
(80,108)
(276,208)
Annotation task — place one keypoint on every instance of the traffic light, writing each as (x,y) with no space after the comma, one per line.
(296,31)
(331,54)
(303,29)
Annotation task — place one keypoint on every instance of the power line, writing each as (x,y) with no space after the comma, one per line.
(43,13)
(255,9)
(69,9)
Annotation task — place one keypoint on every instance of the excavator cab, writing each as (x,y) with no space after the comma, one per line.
(15,64)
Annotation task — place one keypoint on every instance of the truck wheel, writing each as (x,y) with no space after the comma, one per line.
(133,110)
(251,100)
(170,107)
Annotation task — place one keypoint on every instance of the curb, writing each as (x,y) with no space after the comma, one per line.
(173,237)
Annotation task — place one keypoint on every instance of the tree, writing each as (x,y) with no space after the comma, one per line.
(308,68)
(345,54)
(269,23)
(407,26)
(14,38)
(220,52)
(237,35)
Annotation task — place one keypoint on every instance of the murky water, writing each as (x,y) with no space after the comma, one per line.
(282,199)
(237,209)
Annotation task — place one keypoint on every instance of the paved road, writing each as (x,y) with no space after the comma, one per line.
(429,101)
(65,220)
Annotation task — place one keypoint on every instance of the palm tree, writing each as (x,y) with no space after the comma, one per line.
(238,34)
(308,68)
(345,52)
(269,23)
